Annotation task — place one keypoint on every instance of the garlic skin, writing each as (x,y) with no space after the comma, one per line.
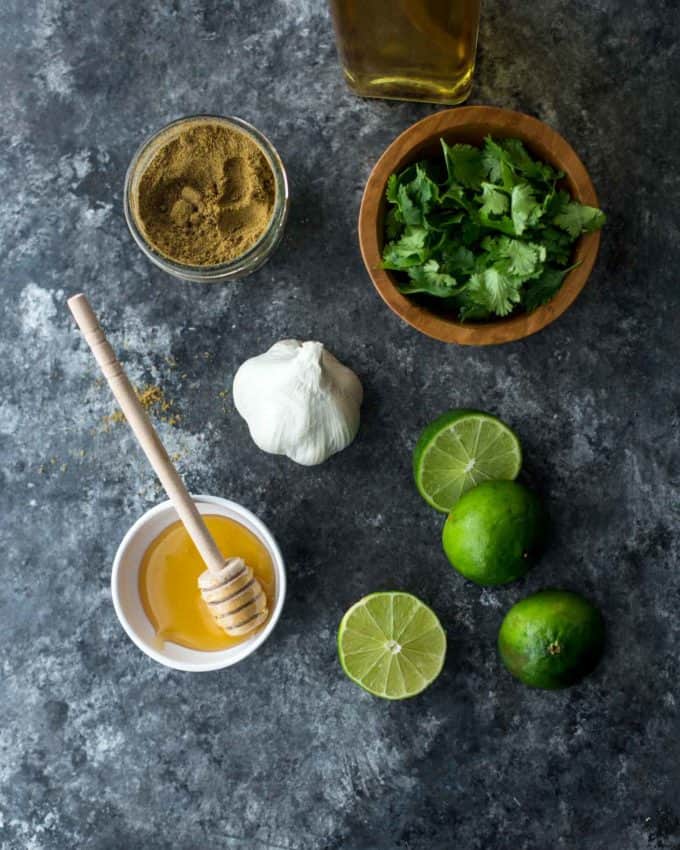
(299,400)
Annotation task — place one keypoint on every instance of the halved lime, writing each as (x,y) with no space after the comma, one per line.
(461,449)
(391,644)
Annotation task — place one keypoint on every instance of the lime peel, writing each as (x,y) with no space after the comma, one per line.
(551,639)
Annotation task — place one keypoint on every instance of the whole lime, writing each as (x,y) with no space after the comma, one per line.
(494,532)
(551,639)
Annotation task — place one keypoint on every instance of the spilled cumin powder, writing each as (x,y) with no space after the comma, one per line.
(153,400)
(206,196)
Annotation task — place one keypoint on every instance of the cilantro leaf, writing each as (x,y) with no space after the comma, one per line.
(463,164)
(494,291)
(454,197)
(540,291)
(524,208)
(410,212)
(503,224)
(524,257)
(423,190)
(557,244)
(393,224)
(494,200)
(427,278)
(496,164)
(469,311)
(458,260)
(408,251)
(577,218)
(493,158)
(519,159)
(555,202)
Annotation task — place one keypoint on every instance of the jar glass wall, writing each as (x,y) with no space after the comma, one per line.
(408,49)
(242,265)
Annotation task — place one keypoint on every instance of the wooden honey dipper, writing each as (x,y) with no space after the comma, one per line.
(232,593)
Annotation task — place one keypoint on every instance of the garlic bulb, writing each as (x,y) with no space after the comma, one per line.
(299,401)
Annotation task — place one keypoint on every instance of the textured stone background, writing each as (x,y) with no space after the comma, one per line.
(99,747)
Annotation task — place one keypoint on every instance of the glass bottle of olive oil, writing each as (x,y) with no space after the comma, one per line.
(408,49)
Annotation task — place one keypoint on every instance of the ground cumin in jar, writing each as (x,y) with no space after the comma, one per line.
(204,192)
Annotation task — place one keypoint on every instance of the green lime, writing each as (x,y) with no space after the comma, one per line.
(391,644)
(459,450)
(551,639)
(494,532)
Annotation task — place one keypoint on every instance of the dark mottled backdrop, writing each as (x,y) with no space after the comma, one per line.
(99,747)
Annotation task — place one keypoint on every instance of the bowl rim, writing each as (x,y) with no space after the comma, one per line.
(399,153)
(214,660)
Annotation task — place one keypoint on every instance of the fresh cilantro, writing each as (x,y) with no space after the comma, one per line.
(503,224)
(577,219)
(544,288)
(558,244)
(470,231)
(524,257)
(494,290)
(428,278)
(458,260)
(423,190)
(495,162)
(525,209)
(455,198)
(494,200)
(463,164)
(411,213)
(518,158)
(408,251)
(444,219)
(488,230)
(555,202)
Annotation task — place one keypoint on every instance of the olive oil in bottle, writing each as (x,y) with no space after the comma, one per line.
(408,49)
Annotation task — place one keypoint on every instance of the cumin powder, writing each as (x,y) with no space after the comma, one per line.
(206,196)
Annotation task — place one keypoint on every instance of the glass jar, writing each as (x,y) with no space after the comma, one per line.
(257,254)
(408,49)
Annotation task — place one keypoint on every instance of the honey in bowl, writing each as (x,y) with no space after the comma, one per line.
(168,582)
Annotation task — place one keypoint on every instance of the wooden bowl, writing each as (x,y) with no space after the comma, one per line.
(470,124)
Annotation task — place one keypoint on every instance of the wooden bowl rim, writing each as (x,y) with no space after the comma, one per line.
(396,156)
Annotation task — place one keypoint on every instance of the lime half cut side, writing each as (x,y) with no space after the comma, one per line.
(460,449)
(391,644)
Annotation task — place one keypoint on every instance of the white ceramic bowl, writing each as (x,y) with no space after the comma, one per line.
(128,605)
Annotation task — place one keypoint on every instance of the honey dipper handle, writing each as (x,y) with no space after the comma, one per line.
(145,432)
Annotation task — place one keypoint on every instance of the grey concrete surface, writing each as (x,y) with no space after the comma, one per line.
(104,750)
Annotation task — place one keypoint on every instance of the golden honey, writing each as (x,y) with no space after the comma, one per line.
(168,582)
